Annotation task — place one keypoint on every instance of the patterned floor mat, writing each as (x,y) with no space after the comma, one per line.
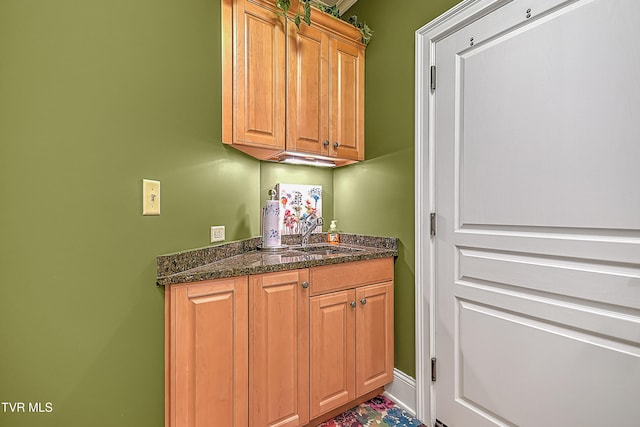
(377,412)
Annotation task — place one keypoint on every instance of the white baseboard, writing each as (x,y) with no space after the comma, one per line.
(402,391)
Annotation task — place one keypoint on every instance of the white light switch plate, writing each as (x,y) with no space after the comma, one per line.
(150,197)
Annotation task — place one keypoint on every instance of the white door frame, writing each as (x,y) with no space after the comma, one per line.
(426,39)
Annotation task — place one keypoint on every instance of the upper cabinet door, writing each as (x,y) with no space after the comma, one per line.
(261,77)
(346,104)
(308,85)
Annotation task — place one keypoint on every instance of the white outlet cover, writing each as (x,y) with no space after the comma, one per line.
(217,233)
(150,197)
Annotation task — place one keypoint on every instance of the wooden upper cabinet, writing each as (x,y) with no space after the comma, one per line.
(346,103)
(261,78)
(290,90)
(325,105)
(254,78)
(308,90)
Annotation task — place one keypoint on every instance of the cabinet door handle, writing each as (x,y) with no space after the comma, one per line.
(336,145)
(363,301)
(305,284)
(326,143)
(352,304)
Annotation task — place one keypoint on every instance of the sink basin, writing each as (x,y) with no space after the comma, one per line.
(326,249)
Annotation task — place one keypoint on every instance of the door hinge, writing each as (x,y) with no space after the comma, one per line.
(432,218)
(433,369)
(440,423)
(433,77)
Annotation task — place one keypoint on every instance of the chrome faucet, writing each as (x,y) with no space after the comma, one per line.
(307,227)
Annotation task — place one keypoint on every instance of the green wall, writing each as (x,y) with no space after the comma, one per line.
(381,189)
(94,96)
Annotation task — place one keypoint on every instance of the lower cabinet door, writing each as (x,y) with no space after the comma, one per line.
(207,353)
(279,349)
(374,337)
(332,351)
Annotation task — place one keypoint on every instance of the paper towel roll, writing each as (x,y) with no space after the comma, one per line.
(270,225)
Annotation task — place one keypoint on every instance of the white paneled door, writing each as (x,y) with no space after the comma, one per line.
(537,193)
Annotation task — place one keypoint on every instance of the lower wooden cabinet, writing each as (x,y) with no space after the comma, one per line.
(351,345)
(374,337)
(206,353)
(332,356)
(277,349)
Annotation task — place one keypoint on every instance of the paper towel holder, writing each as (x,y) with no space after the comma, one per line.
(263,246)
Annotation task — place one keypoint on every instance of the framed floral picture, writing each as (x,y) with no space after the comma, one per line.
(297,203)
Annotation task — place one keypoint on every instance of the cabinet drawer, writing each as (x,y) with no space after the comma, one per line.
(329,278)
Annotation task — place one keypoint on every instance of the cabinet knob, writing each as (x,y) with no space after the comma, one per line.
(326,143)
(352,304)
(305,285)
(363,301)
(336,145)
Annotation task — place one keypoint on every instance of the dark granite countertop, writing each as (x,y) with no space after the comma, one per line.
(243,258)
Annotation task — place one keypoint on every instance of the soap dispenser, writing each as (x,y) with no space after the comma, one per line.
(333,236)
